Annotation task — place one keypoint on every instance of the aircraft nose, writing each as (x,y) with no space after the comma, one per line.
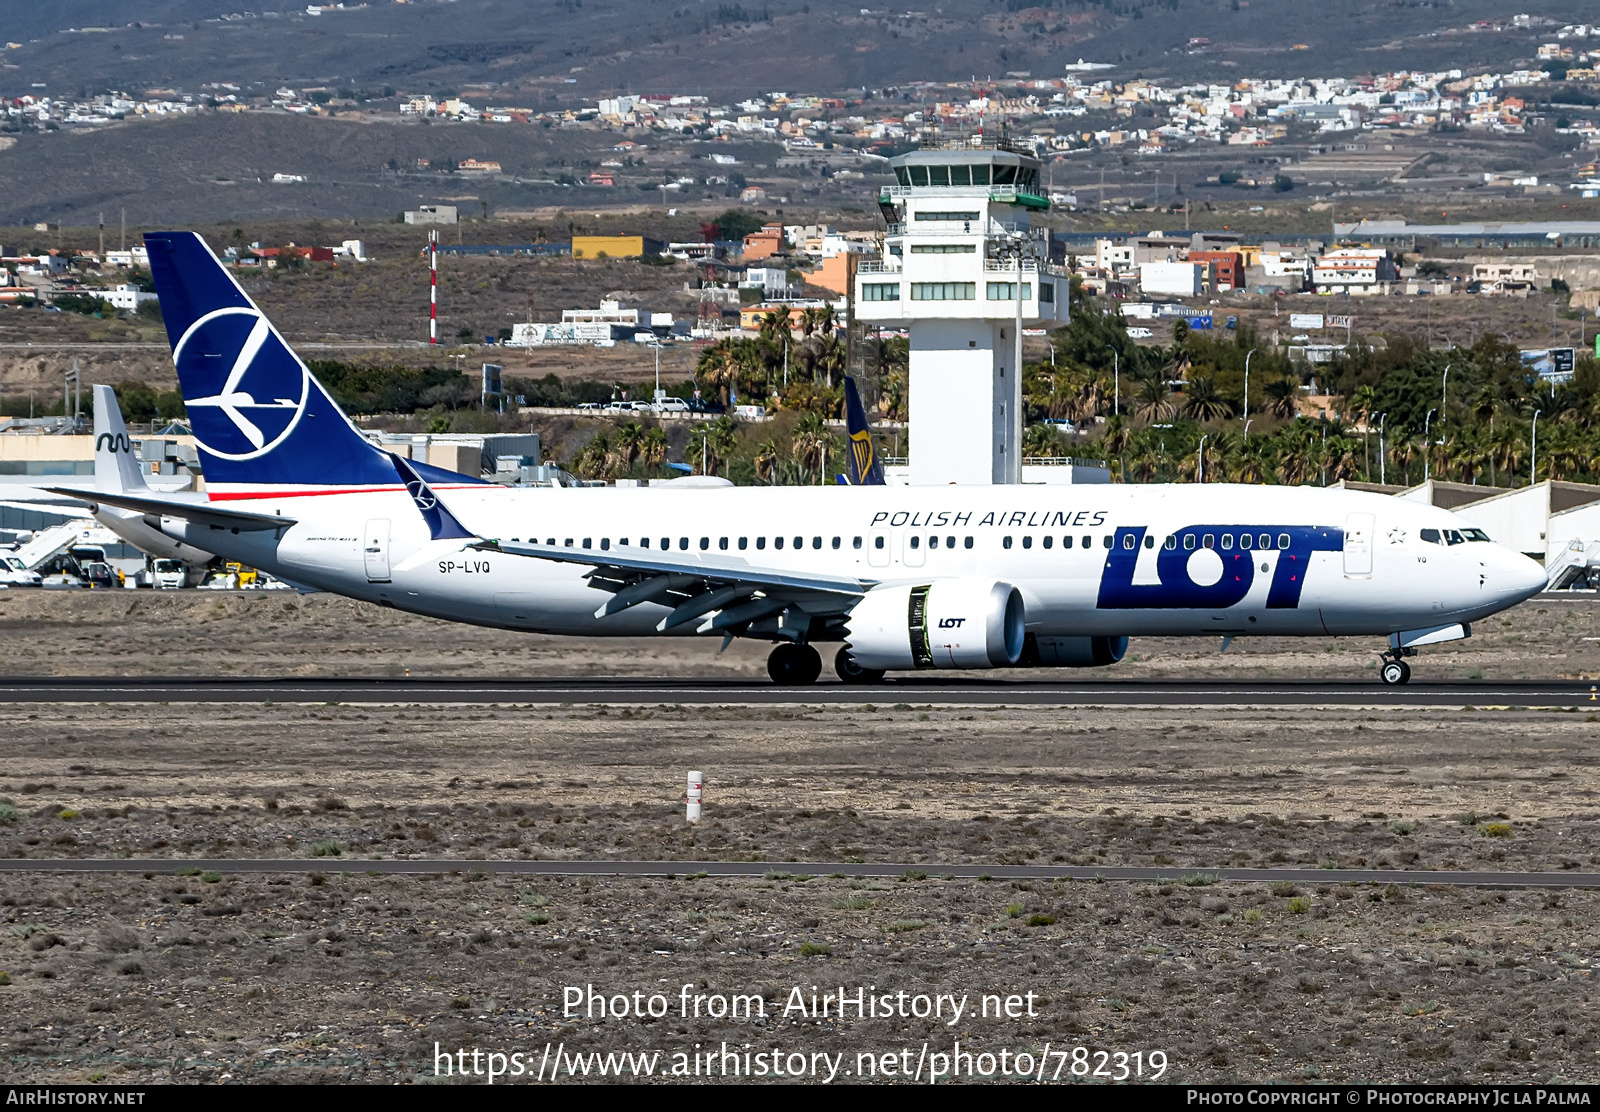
(1520,576)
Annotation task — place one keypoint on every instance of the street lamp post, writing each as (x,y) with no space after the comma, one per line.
(1247,356)
(1116,379)
(1200,460)
(1382,453)
(1427,445)
(1533,473)
(1444,393)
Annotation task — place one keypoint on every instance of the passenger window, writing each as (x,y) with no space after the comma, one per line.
(877,542)
(949,542)
(1027,542)
(816,542)
(666,543)
(1049,540)
(1188,541)
(1149,542)
(551,542)
(777,542)
(1107,541)
(605,544)
(969,542)
(1127,540)
(800,542)
(1283,540)
(1264,541)
(933,542)
(1227,540)
(683,544)
(569,542)
(855,542)
(623,542)
(722,543)
(835,542)
(761,543)
(1209,541)
(1170,543)
(705,543)
(1005,542)
(588,542)
(1087,540)
(916,541)
(744,543)
(1244,540)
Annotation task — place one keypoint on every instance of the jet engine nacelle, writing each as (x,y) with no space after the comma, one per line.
(949,623)
(1072,652)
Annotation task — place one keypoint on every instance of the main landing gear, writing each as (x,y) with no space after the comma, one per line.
(1394,670)
(792,665)
(851,672)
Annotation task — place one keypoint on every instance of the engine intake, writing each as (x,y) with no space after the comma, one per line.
(949,623)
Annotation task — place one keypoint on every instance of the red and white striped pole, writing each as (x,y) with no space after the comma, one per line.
(433,287)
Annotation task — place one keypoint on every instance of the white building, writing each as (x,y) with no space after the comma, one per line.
(964,271)
(1355,270)
(128,297)
(1172,279)
(432,214)
(133,256)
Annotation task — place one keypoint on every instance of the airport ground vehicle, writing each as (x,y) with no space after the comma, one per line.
(905,577)
(168,575)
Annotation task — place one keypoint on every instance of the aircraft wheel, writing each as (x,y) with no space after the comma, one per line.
(851,672)
(792,665)
(1395,672)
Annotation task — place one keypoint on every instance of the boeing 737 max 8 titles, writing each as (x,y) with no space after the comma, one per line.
(905,577)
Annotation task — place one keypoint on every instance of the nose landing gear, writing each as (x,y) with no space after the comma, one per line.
(792,665)
(1395,670)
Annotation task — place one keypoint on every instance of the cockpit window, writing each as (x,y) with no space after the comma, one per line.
(1430,535)
(1452,536)
(1475,534)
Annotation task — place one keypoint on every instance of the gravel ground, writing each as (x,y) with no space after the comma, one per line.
(305,977)
(281,633)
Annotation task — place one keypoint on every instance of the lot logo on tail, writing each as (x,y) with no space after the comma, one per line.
(253,390)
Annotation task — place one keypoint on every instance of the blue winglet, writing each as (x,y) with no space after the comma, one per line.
(442,524)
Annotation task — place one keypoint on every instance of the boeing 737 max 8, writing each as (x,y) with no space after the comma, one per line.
(904,577)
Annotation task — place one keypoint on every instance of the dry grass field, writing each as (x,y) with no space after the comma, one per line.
(326,976)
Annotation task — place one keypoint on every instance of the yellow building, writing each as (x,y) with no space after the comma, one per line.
(614,247)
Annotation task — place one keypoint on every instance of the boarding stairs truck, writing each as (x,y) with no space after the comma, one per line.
(1576,567)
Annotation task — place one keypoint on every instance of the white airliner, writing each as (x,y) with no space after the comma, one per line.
(904,577)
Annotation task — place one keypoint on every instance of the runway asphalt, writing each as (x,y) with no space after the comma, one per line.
(1194,875)
(910,689)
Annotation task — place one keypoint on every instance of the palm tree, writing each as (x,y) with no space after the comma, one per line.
(1150,401)
(1041,441)
(810,442)
(625,445)
(653,447)
(766,458)
(1282,394)
(1202,402)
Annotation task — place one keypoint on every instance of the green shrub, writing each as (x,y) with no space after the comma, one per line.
(903,926)
(210,878)
(5,978)
(914,874)
(1402,826)
(1422,1009)
(327,848)
(1015,911)
(537,918)
(69,814)
(1495,830)
(1198,880)
(8,813)
(1284,888)
(1253,915)
(1041,920)
(189,870)
(1298,906)
(815,949)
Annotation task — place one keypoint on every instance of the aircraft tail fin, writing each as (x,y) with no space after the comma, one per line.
(865,469)
(263,424)
(116,468)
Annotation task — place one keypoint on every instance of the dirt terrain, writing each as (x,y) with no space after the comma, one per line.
(320,975)
(281,633)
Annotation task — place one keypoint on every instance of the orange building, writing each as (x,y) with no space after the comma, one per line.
(1225,268)
(764,244)
(836,274)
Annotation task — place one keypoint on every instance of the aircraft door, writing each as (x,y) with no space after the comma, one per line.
(878,548)
(1358,529)
(911,550)
(376,550)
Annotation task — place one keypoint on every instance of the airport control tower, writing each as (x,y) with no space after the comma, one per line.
(958,247)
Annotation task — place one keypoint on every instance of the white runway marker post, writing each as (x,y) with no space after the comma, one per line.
(693,796)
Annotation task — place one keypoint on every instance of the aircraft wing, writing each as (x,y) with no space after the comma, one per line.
(201,513)
(732,592)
